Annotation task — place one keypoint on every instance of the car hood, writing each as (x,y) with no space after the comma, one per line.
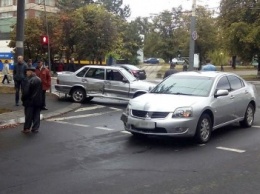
(163,102)
(142,85)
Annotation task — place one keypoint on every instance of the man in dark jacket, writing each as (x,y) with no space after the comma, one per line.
(32,101)
(19,75)
(170,71)
(71,65)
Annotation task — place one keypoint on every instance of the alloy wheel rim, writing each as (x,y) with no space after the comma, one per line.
(78,96)
(250,115)
(205,129)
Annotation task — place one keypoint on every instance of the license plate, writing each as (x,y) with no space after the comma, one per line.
(145,125)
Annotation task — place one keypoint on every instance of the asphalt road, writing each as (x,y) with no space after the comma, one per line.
(87,151)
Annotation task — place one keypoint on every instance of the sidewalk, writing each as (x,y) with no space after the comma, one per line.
(56,106)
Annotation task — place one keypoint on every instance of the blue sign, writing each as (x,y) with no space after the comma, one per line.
(6,55)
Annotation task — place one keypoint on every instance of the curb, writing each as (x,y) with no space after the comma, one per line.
(20,120)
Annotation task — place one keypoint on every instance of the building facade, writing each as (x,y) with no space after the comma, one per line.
(33,8)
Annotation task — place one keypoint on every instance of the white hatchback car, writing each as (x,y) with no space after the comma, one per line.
(192,104)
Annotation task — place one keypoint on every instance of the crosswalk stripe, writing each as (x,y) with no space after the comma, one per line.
(104,128)
(75,124)
(89,108)
(231,149)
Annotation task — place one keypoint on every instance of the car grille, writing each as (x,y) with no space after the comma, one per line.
(147,114)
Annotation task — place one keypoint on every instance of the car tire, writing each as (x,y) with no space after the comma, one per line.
(78,95)
(138,135)
(249,116)
(88,99)
(204,129)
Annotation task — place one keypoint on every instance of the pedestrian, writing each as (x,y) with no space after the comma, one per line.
(29,63)
(170,71)
(208,66)
(60,66)
(31,98)
(185,67)
(71,65)
(6,72)
(19,75)
(44,74)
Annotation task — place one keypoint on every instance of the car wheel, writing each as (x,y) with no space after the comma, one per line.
(138,135)
(204,129)
(78,95)
(88,99)
(249,116)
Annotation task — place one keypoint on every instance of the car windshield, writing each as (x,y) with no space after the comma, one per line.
(185,85)
(128,75)
(132,67)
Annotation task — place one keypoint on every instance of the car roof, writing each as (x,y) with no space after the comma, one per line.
(212,74)
(103,66)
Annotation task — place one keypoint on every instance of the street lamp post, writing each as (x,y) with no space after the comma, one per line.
(20,28)
(193,36)
(47,32)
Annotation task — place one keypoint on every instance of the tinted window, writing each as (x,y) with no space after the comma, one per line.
(82,72)
(114,75)
(235,82)
(223,84)
(95,73)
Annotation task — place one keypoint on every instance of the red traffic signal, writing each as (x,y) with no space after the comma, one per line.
(44,40)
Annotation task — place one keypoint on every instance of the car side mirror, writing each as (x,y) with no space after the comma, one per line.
(221,93)
(125,80)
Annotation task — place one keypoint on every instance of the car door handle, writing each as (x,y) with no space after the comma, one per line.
(84,80)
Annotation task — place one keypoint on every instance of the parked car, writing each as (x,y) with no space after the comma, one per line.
(100,81)
(152,61)
(135,71)
(192,104)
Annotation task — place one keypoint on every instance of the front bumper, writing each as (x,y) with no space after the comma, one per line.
(181,127)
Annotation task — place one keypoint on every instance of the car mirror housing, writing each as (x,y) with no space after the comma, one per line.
(221,93)
(125,80)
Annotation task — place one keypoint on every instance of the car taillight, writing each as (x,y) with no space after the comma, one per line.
(133,71)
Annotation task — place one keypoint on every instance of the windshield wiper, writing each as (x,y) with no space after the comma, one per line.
(180,93)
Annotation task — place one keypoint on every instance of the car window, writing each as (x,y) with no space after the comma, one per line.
(185,85)
(223,84)
(96,73)
(114,75)
(82,72)
(235,82)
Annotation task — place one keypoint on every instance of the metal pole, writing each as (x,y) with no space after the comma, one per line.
(47,32)
(192,39)
(20,29)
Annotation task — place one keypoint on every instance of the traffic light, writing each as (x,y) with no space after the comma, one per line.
(44,41)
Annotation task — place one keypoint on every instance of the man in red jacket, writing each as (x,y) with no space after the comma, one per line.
(44,74)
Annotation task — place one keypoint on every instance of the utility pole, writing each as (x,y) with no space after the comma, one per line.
(193,36)
(47,33)
(20,29)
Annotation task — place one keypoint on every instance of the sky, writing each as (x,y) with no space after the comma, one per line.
(146,8)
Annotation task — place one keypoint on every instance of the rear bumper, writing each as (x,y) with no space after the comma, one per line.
(63,88)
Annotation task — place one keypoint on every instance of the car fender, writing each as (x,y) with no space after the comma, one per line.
(78,86)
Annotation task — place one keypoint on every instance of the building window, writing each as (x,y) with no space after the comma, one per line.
(6,3)
(6,15)
(47,2)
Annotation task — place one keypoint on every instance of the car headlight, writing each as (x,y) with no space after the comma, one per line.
(183,112)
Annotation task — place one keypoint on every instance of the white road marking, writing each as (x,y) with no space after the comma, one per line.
(75,124)
(104,128)
(126,132)
(231,149)
(80,116)
(256,126)
(88,108)
(118,109)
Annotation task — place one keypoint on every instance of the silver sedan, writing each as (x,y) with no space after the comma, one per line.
(192,104)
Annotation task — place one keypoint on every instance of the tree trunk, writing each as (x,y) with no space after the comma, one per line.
(234,61)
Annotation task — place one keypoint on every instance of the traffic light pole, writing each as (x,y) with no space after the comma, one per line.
(193,33)
(20,29)
(47,32)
